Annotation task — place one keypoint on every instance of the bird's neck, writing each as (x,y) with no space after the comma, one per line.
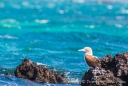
(89,53)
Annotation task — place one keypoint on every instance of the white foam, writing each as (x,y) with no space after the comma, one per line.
(41,21)
(10,20)
(25,3)
(8,83)
(110,7)
(8,37)
(124,11)
(50,5)
(54,51)
(118,25)
(92,26)
(9,23)
(38,63)
(61,11)
(73,80)
(14,53)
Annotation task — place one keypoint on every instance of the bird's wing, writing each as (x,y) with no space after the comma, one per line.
(97,61)
(96,58)
(92,61)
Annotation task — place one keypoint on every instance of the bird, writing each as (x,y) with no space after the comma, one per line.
(92,61)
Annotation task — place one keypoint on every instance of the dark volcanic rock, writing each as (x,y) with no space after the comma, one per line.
(113,72)
(30,70)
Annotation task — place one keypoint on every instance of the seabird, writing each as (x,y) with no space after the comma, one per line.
(91,60)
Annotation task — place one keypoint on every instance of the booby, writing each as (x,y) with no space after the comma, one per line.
(91,60)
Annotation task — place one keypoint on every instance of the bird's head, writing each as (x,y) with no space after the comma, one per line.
(87,50)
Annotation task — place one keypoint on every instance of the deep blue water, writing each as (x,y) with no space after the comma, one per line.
(51,32)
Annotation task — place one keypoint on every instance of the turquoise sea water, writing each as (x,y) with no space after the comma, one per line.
(51,32)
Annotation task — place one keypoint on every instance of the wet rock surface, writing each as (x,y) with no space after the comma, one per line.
(113,72)
(30,70)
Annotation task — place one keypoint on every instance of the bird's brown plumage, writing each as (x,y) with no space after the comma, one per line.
(92,61)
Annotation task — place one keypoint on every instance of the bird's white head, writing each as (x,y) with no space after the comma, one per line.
(87,50)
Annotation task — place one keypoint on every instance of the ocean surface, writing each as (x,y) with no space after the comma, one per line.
(50,32)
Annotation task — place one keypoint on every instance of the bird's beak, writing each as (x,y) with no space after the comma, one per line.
(82,50)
